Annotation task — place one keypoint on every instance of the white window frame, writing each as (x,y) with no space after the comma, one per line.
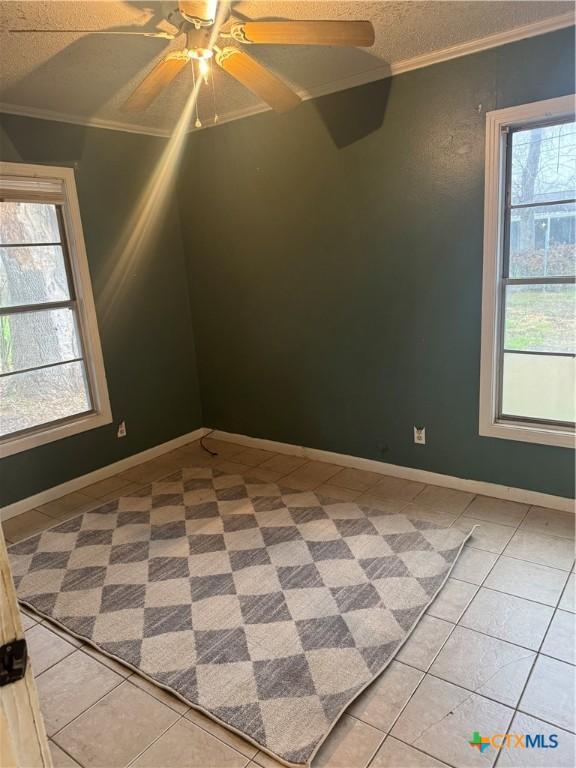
(496,123)
(101,413)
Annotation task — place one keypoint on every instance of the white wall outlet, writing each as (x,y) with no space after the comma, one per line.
(121,429)
(420,435)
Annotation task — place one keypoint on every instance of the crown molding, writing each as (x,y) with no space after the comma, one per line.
(524,32)
(86,122)
(516,34)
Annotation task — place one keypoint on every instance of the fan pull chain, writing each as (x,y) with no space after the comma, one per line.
(197,124)
(216,118)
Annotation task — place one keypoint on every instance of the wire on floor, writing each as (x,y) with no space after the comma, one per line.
(212,453)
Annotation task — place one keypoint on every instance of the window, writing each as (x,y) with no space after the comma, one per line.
(52,381)
(528,366)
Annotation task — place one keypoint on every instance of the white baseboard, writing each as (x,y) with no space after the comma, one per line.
(407,473)
(77,483)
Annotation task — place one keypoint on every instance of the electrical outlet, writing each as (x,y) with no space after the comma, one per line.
(420,435)
(121,429)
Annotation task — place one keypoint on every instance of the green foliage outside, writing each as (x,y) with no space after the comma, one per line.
(541,319)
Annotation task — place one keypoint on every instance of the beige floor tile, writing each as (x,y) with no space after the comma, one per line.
(116,729)
(184,744)
(491,537)
(549,694)
(397,488)
(188,453)
(567,602)
(563,756)
(265,475)
(232,467)
(485,665)
(356,479)
(221,447)
(390,506)
(508,618)
(283,463)
(224,734)
(104,487)
(27,524)
(441,717)
(351,744)
(452,600)
(310,475)
(496,510)
(46,648)
(27,620)
(59,758)
(550,522)
(424,643)
(70,687)
(149,472)
(62,633)
(381,703)
(265,761)
(159,693)
(395,754)
(529,580)
(64,506)
(68,514)
(337,492)
(560,639)
(545,550)
(253,456)
(444,499)
(127,490)
(474,565)
(112,664)
(417,511)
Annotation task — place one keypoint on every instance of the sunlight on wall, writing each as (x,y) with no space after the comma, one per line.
(146,219)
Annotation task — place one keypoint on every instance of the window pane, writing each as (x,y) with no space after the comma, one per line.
(32,276)
(28,223)
(38,397)
(540,318)
(539,387)
(544,164)
(543,241)
(32,339)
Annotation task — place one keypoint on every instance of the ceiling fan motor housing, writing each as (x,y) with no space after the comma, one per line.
(198,43)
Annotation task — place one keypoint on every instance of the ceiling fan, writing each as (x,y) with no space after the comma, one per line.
(197,20)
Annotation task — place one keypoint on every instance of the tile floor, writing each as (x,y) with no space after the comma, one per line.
(495,651)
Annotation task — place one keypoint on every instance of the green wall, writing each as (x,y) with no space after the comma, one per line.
(335,261)
(144,319)
(324,269)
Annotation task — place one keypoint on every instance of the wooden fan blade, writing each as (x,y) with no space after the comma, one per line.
(257,79)
(202,11)
(155,81)
(354,33)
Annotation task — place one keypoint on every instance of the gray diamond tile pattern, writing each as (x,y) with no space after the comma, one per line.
(267,608)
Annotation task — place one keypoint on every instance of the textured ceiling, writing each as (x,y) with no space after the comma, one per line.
(87,77)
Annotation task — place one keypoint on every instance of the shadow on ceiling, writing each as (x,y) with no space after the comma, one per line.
(109,63)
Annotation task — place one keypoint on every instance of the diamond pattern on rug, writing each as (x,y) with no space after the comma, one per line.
(267,608)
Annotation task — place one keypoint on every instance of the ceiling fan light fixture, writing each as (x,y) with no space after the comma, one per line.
(200,54)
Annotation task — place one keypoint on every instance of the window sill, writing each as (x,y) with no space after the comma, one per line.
(529,433)
(25,442)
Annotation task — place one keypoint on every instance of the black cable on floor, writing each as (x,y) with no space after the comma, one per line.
(212,453)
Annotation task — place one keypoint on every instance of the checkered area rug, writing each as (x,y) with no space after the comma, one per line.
(266,608)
